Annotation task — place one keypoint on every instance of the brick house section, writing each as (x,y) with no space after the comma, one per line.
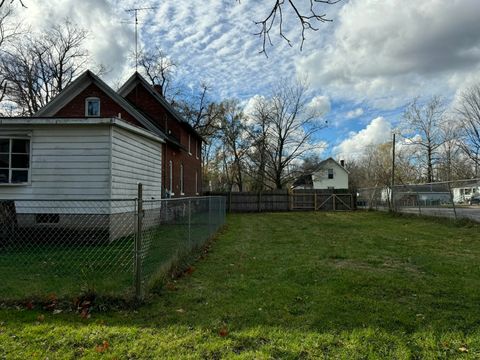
(183,144)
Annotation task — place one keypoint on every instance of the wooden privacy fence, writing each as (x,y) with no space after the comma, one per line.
(285,200)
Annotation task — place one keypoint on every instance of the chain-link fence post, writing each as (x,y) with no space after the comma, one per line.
(138,244)
(190,223)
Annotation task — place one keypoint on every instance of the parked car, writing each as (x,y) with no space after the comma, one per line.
(475,200)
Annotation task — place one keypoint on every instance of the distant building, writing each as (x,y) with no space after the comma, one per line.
(329,175)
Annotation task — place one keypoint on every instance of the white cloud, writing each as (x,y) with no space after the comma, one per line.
(110,42)
(320,104)
(352,114)
(388,51)
(377,132)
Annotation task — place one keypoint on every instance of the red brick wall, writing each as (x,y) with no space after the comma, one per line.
(191,164)
(108,107)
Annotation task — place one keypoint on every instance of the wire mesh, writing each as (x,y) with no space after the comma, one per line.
(459,199)
(71,247)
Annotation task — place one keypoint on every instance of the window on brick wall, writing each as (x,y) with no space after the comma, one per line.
(92,106)
(196,182)
(182,182)
(189,143)
(170,177)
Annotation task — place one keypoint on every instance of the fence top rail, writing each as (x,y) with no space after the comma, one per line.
(185,198)
(70,200)
(112,200)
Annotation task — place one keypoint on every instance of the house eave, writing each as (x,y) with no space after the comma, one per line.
(45,121)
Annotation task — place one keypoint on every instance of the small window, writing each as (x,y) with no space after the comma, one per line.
(197,145)
(170,177)
(14,161)
(92,107)
(196,182)
(47,218)
(182,190)
(189,147)
(330,173)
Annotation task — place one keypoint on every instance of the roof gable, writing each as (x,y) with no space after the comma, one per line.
(79,85)
(137,79)
(322,165)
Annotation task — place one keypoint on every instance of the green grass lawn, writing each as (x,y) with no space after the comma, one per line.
(290,286)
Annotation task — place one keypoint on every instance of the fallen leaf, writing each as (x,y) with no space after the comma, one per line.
(223,332)
(180,310)
(57,311)
(102,347)
(41,317)
(463,349)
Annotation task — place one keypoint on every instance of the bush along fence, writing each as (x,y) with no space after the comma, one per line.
(116,248)
(459,199)
(287,200)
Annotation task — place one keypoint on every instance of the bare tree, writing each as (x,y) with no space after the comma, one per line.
(469,114)
(38,67)
(201,112)
(292,125)
(306,12)
(235,145)
(10,2)
(9,31)
(157,67)
(258,131)
(426,121)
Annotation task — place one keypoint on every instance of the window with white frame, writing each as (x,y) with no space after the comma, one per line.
(189,143)
(170,177)
(14,160)
(196,182)
(197,145)
(92,106)
(182,190)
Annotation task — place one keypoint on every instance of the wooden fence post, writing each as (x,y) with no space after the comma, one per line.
(259,199)
(314,200)
(333,198)
(230,201)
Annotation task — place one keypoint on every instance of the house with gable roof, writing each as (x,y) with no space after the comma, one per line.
(91,142)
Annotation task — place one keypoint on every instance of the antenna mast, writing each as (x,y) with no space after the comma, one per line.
(135,13)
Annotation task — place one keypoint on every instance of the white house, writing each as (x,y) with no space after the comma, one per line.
(57,165)
(465,190)
(328,175)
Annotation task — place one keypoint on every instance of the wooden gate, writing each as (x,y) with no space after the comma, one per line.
(318,201)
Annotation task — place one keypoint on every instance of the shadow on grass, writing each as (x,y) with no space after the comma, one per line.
(309,280)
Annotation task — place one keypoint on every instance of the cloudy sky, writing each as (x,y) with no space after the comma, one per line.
(363,67)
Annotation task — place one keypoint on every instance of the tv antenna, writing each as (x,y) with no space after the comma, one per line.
(135,11)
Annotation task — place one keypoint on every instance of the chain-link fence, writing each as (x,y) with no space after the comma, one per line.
(458,199)
(109,247)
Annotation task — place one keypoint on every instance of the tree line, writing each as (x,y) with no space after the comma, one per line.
(261,145)
(436,142)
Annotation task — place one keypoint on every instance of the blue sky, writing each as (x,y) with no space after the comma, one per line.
(363,67)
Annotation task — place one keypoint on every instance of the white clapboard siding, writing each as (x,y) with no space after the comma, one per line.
(135,159)
(66,163)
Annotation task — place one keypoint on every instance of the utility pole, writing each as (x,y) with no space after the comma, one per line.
(392,204)
(135,11)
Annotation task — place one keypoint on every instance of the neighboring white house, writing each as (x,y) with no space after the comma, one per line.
(67,162)
(329,175)
(465,190)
